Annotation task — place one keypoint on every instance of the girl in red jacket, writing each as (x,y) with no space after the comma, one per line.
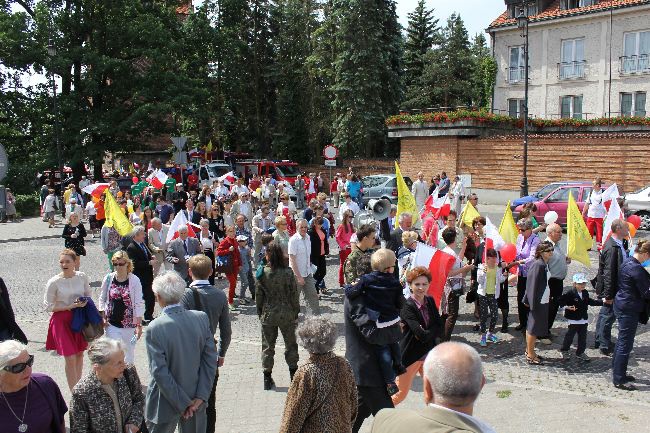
(229,247)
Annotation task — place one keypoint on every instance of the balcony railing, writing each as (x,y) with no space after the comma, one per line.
(571,70)
(635,64)
(515,75)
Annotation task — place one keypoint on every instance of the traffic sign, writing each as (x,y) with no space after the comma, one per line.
(330,152)
(179,142)
(330,163)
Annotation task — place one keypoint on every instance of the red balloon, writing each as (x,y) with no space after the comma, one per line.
(135,179)
(635,220)
(508,253)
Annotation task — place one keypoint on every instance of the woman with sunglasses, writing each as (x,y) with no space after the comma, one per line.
(29,402)
(122,305)
(63,293)
(217,226)
(527,242)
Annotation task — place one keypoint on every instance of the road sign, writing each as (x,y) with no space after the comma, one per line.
(330,163)
(4,162)
(179,142)
(330,152)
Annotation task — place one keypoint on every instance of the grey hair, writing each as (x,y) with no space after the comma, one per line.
(204,221)
(10,350)
(300,221)
(455,373)
(525,224)
(405,215)
(137,230)
(102,349)
(169,286)
(156,220)
(182,229)
(393,208)
(552,227)
(317,335)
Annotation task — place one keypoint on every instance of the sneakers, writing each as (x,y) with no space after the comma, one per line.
(392,388)
(232,307)
(492,338)
(483,342)
(583,357)
(566,355)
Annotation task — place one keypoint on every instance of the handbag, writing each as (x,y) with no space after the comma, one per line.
(92,331)
(223,264)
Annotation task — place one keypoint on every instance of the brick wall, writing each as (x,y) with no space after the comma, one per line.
(496,162)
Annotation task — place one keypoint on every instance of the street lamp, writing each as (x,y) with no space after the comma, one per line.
(51,52)
(522,23)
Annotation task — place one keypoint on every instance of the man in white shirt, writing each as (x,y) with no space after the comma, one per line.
(453,380)
(348,204)
(157,237)
(300,263)
(420,190)
(239,187)
(73,207)
(261,223)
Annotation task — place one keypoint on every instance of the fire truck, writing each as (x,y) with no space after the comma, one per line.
(284,170)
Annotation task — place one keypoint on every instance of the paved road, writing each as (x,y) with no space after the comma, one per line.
(557,397)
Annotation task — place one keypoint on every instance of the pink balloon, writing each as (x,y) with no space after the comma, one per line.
(135,179)
(635,220)
(508,253)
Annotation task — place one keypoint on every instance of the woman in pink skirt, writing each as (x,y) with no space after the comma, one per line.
(61,298)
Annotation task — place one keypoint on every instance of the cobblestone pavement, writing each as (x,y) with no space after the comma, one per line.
(557,397)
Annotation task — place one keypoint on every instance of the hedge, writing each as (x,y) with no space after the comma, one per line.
(28,205)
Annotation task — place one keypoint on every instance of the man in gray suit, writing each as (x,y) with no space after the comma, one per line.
(182,361)
(180,250)
(157,241)
(453,379)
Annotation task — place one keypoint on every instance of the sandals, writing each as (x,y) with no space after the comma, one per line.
(537,360)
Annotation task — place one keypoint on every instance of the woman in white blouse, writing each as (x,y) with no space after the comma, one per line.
(208,244)
(63,293)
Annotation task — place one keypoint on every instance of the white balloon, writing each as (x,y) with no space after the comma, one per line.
(550,217)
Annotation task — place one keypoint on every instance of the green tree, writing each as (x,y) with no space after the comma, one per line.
(483,72)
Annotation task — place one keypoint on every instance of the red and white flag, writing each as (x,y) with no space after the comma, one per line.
(613,209)
(228,178)
(95,189)
(493,239)
(180,220)
(437,206)
(439,264)
(157,179)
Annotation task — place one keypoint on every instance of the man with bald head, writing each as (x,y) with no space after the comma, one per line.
(420,190)
(557,267)
(453,379)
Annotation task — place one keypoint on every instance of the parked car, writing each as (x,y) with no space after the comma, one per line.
(558,199)
(541,193)
(638,203)
(380,186)
(210,172)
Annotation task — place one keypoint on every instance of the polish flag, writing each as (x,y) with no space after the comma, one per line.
(613,209)
(180,220)
(157,179)
(493,239)
(228,178)
(439,264)
(95,189)
(438,206)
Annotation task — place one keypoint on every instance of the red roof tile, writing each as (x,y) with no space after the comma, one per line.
(185,8)
(554,11)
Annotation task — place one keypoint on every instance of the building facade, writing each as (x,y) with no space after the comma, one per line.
(587,58)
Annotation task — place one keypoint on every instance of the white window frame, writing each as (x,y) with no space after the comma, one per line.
(516,75)
(520,108)
(575,68)
(634,109)
(635,62)
(572,107)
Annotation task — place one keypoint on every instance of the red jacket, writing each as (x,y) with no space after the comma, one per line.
(223,250)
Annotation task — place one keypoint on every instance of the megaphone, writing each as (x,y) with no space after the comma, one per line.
(380,209)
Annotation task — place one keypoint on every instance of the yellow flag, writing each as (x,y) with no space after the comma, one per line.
(405,199)
(208,147)
(115,217)
(132,168)
(468,214)
(508,228)
(578,238)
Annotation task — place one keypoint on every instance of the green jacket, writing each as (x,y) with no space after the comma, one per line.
(357,264)
(277,296)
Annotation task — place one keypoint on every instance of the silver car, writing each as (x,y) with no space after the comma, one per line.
(638,203)
(382,186)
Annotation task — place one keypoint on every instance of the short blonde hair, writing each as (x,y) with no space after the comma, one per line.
(322,196)
(201,266)
(122,255)
(408,238)
(382,259)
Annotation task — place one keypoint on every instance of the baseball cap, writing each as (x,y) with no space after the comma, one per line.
(242,238)
(580,278)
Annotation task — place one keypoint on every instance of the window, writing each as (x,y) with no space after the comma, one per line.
(562,195)
(515,10)
(516,70)
(636,51)
(571,106)
(516,107)
(633,104)
(573,59)
(373,181)
(572,4)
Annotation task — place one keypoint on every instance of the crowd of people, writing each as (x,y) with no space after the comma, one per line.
(252,235)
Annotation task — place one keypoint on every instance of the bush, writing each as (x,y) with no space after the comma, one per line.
(28,205)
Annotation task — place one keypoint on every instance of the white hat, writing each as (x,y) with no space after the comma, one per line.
(242,238)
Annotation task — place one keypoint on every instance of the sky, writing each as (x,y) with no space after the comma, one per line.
(477,14)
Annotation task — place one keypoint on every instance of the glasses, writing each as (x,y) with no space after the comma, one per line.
(20,367)
(119,264)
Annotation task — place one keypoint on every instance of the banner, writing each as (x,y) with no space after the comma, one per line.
(578,238)
(405,199)
(115,217)
(508,227)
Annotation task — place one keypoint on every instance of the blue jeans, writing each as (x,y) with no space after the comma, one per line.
(604,324)
(388,356)
(628,321)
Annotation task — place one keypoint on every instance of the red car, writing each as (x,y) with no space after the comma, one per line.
(558,200)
